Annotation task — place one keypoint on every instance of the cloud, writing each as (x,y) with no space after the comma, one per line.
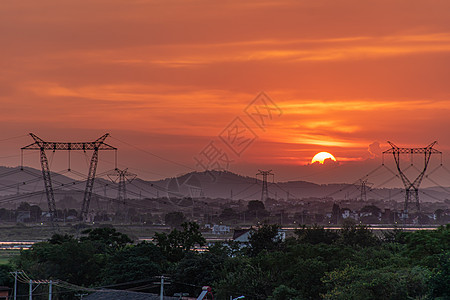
(374,150)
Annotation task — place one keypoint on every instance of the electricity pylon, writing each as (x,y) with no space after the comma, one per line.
(364,185)
(95,146)
(265,191)
(412,186)
(121,177)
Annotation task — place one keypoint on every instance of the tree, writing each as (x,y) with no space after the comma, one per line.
(357,283)
(440,279)
(228,214)
(174,219)
(24,206)
(63,258)
(35,213)
(255,205)
(241,276)
(316,235)
(5,277)
(283,292)
(198,269)
(267,237)
(133,263)
(357,235)
(107,238)
(177,243)
(256,209)
(425,246)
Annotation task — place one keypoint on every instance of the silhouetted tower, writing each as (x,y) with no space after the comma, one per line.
(121,177)
(265,191)
(412,187)
(364,185)
(95,146)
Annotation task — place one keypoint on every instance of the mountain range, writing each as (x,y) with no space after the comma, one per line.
(26,184)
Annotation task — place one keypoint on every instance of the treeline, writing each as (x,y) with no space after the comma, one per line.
(315,263)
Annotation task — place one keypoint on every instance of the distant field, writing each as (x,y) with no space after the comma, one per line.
(6,255)
(38,232)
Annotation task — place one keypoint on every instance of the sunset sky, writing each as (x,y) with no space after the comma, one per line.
(167,78)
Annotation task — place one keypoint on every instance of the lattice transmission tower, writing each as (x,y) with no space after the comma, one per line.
(364,186)
(265,190)
(411,186)
(95,146)
(121,177)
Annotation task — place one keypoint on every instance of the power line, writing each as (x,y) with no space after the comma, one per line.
(155,155)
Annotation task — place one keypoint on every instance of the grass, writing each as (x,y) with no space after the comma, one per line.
(6,255)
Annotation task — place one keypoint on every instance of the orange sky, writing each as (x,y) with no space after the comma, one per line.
(166,78)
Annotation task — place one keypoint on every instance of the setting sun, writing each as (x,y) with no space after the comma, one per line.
(322,156)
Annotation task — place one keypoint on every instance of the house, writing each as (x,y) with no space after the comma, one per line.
(23,216)
(242,235)
(4,291)
(220,229)
(348,213)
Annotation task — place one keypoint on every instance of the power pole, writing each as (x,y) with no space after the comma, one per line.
(50,283)
(411,186)
(15,273)
(31,290)
(41,145)
(265,191)
(161,293)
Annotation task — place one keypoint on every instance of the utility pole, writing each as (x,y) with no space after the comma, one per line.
(265,191)
(50,290)
(15,273)
(31,290)
(161,293)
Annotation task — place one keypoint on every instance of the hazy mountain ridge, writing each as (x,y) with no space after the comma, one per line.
(27,185)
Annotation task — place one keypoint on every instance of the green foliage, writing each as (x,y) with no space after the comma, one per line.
(440,279)
(425,246)
(177,243)
(68,260)
(5,277)
(240,276)
(316,234)
(357,236)
(354,282)
(76,261)
(196,270)
(351,263)
(267,237)
(283,292)
(139,262)
(107,238)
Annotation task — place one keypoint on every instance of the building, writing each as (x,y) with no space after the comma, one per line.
(4,293)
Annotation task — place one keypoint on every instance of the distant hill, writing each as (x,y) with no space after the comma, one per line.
(18,185)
